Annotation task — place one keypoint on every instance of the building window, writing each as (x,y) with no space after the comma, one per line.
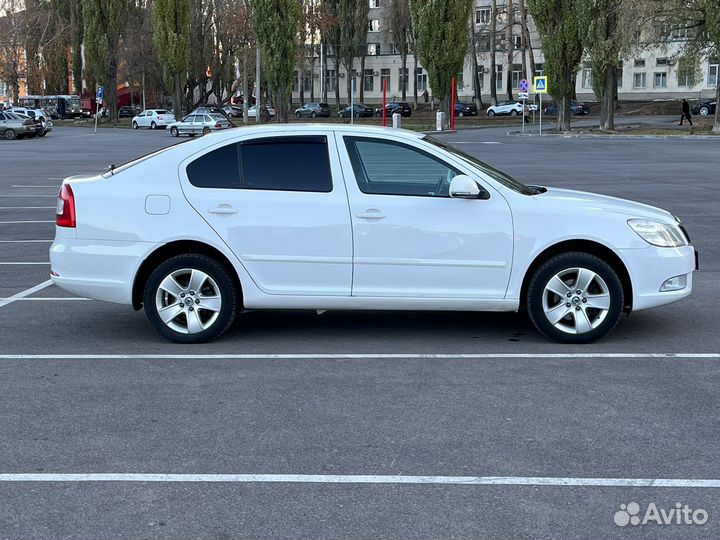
(539,69)
(421,79)
(620,75)
(660,79)
(373,49)
(460,81)
(639,62)
(661,62)
(516,75)
(374,3)
(586,79)
(679,34)
(483,42)
(517,42)
(482,16)
(639,80)
(480,79)
(713,69)
(402,78)
(686,73)
(385,78)
(296,82)
(498,77)
(374,25)
(369,81)
(330,80)
(307,81)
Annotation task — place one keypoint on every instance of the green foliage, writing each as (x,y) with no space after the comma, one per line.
(441,32)
(171,33)
(276,24)
(558,25)
(601,36)
(103,22)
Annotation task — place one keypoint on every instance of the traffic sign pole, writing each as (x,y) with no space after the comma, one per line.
(524,87)
(540,114)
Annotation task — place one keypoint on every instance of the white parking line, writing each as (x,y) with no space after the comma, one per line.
(28,195)
(26,292)
(49,299)
(365,479)
(22,263)
(27,207)
(32,186)
(28,221)
(25,241)
(362,356)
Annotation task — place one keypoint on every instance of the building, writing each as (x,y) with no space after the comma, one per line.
(652,74)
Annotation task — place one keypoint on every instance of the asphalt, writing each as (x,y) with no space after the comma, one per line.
(573,415)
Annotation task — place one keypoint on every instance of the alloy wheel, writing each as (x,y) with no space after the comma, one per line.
(576,300)
(188,301)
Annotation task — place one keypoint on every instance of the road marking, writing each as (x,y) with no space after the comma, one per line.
(33,221)
(475,142)
(26,292)
(24,241)
(27,207)
(21,263)
(28,195)
(34,186)
(362,356)
(364,479)
(49,299)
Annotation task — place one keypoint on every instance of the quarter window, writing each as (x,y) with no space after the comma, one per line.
(390,168)
(274,163)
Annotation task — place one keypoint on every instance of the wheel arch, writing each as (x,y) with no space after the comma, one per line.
(586,246)
(171,249)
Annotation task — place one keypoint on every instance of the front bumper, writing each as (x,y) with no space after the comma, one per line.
(650,267)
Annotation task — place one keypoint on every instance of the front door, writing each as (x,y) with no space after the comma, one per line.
(411,239)
(280,204)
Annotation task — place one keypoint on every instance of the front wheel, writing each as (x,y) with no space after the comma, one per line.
(575,298)
(10,134)
(191,299)
(513,113)
(491,113)
(704,111)
(135,125)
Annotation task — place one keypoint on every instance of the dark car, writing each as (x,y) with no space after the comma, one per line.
(233,111)
(313,110)
(401,107)
(577,108)
(704,107)
(358,110)
(465,109)
(126,111)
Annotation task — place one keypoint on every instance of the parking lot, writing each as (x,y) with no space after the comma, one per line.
(356,424)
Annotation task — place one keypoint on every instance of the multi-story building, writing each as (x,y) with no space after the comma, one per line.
(650,73)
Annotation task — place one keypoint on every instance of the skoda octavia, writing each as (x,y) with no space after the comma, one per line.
(350,217)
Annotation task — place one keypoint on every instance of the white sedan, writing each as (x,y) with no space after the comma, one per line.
(252,111)
(512,108)
(219,224)
(153,119)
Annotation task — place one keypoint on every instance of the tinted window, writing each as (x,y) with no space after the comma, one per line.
(273,163)
(390,168)
(287,163)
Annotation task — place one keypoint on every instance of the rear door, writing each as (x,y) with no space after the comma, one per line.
(279,202)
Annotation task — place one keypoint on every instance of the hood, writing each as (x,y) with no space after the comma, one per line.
(592,201)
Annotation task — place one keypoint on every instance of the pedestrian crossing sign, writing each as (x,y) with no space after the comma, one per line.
(540,85)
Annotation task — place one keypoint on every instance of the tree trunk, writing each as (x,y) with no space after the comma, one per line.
(337,83)
(510,49)
(177,99)
(523,42)
(312,75)
(361,79)
(716,126)
(415,80)
(348,80)
(493,48)
(445,107)
(301,82)
(282,105)
(607,106)
(77,38)
(246,85)
(531,52)
(563,119)
(404,77)
(477,77)
(112,83)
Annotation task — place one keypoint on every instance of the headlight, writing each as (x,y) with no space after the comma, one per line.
(658,234)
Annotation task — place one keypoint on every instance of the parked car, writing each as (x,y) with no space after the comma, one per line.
(40,114)
(357,110)
(505,108)
(313,110)
(199,124)
(577,108)
(209,109)
(13,126)
(42,126)
(233,111)
(251,111)
(153,118)
(704,107)
(465,109)
(258,218)
(126,111)
(401,107)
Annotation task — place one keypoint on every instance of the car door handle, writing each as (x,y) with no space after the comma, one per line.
(371,213)
(223,210)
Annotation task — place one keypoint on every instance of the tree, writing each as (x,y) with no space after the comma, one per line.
(442,43)
(603,40)
(352,16)
(493,51)
(398,19)
(510,44)
(104,21)
(557,24)
(172,30)
(276,24)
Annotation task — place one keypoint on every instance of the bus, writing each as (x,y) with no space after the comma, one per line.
(58,106)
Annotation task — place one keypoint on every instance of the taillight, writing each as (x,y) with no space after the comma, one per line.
(218,125)
(65,210)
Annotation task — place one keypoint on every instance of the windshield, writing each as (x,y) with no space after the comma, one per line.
(161,111)
(492,172)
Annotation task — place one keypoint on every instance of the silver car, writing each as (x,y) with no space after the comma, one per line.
(13,126)
(198,124)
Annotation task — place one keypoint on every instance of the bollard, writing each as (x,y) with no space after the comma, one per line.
(439,120)
(396,120)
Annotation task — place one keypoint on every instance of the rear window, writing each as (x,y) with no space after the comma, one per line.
(273,163)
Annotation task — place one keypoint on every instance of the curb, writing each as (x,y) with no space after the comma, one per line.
(609,136)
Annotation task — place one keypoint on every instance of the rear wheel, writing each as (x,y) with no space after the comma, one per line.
(704,111)
(191,299)
(513,113)
(357,115)
(206,130)
(575,298)
(153,125)
(174,131)
(298,115)
(10,134)
(313,114)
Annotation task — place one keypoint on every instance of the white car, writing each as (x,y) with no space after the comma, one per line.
(40,114)
(251,111)
(200,231)
(512,108)
(153,119)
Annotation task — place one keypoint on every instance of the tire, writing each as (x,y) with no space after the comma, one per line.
(704,110)
(461,114)
(356,115)
(153,125)
(174,132)
(491,113)
(135,125)
(298,115)
(313,114)
(513,113)
(598,306)
(206,131)
(42,134)
(170,284)
(9,134)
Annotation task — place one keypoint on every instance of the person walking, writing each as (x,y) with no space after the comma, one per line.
(685,112)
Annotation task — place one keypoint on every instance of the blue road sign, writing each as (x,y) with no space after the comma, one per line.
(541,85)
(524,86)
(100,94)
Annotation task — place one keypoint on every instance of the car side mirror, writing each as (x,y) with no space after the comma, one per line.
(464,187)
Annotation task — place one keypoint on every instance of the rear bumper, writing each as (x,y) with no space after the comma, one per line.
(97,269)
